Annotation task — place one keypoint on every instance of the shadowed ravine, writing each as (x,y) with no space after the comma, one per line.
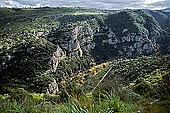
(78,60)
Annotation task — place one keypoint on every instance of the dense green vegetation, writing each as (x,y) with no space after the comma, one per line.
(149,83)
(25,48)
(53,60)
(83,104)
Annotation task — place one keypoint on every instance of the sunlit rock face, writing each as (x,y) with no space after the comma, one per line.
(140,44)
(56,58)
(129,34)
(122,34)
(55,46)
(74,40)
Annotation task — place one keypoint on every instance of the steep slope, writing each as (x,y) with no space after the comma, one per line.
(161,17)
(28,58)
(50,45)
(130,34)
(144,79)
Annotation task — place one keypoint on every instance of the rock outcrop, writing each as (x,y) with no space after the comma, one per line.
(41,50)
(56,58)
(53,88)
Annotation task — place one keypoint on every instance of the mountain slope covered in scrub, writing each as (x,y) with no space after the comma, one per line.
(67,51)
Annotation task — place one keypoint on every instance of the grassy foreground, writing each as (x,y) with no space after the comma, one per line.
(39,103)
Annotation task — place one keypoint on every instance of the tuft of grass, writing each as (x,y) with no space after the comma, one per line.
(84,103)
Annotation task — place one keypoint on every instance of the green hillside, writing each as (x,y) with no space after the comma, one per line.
(84,60)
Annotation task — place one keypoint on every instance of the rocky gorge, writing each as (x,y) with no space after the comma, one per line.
(44,50)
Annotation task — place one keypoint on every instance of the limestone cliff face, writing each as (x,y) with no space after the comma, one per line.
(129,34)
(123,34)
(132,44)
(56,46)
(85,35)
(56,58)
(74,40)
(53,87)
